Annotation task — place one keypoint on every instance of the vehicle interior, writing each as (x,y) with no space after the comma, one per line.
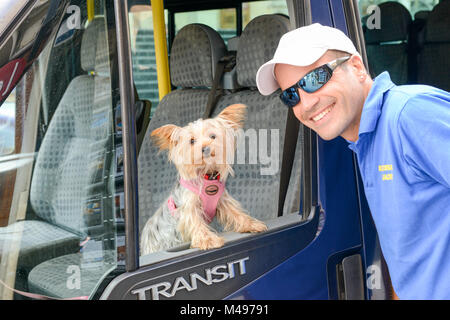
(62,203)
(411,45)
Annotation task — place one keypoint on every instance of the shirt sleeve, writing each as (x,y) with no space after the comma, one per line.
(424,129)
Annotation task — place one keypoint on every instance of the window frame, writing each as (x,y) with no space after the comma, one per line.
(129,136)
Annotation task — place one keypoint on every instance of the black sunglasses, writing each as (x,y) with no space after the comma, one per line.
(311,82)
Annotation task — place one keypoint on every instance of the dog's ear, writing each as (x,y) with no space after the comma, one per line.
(165,137)
(235,114)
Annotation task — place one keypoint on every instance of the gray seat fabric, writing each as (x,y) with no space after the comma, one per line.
(257,44)
(36,241)
(387,47)
(195,52)
(76,140)
(51,278)
(433,61)
(70,166)
(257,192)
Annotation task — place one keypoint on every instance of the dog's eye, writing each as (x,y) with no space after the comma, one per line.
(192,141)
(212,136)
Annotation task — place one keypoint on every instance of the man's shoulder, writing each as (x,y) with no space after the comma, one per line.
(416,101)
(409,93)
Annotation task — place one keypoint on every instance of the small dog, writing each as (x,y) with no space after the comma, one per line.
(202,152)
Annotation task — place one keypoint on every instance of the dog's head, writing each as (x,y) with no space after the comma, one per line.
(203,146)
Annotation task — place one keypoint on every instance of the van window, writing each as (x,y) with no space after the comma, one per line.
(8,9)
(251,10)
(7,124)
(413,6)
(221,20)
(143,53)
(61,187)
(408,39)
(224,20)
(255,183)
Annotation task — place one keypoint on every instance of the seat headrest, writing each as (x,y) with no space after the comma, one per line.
(94,47)
(438,23)
(195,52)
(257,45)
(421,15)
(395,22)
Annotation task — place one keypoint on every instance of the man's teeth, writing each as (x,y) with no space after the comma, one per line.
(323,113)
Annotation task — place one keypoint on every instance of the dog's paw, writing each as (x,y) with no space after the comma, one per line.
(210,241)
(253,226)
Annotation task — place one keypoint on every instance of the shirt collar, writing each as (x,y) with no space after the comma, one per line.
(374,101)
(373,104)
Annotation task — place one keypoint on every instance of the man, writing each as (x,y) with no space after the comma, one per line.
(401,135)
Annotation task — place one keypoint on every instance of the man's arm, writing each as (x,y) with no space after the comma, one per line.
(424,128)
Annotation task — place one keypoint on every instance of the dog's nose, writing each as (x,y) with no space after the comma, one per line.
(206,151)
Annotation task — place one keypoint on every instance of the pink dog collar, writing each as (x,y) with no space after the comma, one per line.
(209,191)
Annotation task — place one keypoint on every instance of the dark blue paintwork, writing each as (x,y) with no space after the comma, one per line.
(320,12)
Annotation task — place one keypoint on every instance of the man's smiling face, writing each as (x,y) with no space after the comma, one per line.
(335,109)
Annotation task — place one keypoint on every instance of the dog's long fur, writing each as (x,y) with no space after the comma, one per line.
(186,148)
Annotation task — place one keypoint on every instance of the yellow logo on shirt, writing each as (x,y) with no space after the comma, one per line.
(384,168)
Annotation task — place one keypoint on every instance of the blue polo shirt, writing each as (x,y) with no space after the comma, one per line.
(403,153)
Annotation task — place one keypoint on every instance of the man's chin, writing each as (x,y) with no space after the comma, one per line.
(327,136)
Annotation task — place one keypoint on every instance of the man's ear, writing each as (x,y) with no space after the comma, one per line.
(357,66)
(165,137)
(235,115)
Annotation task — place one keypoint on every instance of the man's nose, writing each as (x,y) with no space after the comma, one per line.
(307,100)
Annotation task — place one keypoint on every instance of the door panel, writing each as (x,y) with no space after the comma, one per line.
(214,274)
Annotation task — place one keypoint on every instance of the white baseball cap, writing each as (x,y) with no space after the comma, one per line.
(302,47)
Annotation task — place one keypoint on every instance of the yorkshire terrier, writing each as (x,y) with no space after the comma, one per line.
(202,152)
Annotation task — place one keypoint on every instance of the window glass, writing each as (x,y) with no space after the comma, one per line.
(7,124)
(8,9)
(413,6)
(143,53)
(221,20)
(61,190)
(251,10)
(255,185)
(402,39)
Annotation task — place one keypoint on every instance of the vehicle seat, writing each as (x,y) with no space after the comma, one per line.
(74,159)
(433,61)
(195,52)
(387,47)
(77,138)
(34,241)
(257,192)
